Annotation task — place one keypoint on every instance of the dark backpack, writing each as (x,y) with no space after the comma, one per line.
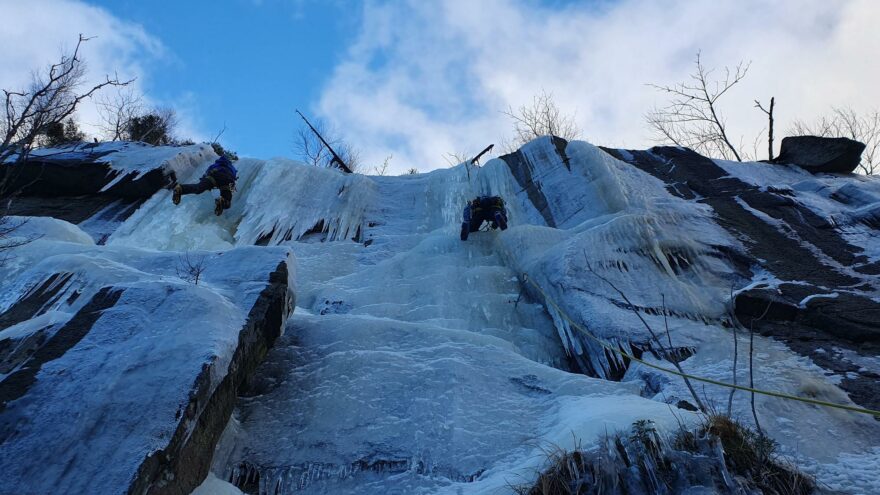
(489,202)
(224,168)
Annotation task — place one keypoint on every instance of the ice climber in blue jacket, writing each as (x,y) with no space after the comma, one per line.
(221,175)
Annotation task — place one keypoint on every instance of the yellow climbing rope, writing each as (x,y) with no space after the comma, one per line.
(771,393)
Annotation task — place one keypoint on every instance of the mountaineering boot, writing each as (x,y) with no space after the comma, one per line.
(500,220)
(218,206)
(465,230)
(176,193)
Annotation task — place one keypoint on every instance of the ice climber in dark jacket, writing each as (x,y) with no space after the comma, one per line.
(221,175)
(483,209)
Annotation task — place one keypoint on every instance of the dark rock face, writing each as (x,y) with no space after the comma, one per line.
(76,175)
(78,183)
(821,154)
(824,301)
(523,171)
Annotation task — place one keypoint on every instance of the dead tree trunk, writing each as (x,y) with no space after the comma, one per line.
(770,127)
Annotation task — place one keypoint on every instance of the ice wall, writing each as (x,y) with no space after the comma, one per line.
(275,200)
(409,349)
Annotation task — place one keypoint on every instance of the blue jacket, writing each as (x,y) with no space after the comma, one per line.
(222,171)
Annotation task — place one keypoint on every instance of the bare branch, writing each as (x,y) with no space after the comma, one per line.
(117,111)
(667,353)
(769,113)
(455,158)
(383,169)
(49,100)
(692,118)
(219,133)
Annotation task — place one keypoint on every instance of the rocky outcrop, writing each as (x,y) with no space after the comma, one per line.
(120,379)
(822,298)
(821,154)
(119,169)
(102,182)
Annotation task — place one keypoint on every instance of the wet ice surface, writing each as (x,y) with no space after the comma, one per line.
(409,367)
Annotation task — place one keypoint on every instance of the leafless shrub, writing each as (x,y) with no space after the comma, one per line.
(644,461)
(752,455)
(412,171)
(311,150)
(383,169)
(846,122)
(191,267)
(541,118)
(692,118)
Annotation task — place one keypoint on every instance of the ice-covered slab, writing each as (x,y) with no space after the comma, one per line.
(118,370)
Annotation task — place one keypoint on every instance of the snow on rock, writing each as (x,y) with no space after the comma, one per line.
(97,185)
(118,371)
(119,168)
(23,229)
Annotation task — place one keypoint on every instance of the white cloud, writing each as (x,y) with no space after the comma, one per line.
(426,78)
(35,33)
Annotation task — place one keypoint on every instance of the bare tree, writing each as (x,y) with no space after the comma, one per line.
(769,113)
(190,268)
(845,122)
(312,151)
(692,117)
(117,111)
(50,99)
(542,118)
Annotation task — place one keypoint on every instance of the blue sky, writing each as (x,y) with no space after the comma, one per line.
(419,79)
(248,64)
